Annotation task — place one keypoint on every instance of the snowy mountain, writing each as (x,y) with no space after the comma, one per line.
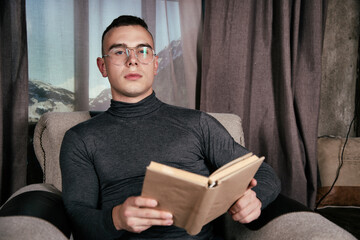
(102,101)
(44,97)
(174,48)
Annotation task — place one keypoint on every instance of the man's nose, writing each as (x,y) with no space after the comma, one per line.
(132,59)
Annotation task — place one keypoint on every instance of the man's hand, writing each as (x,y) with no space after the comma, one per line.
(137,214)
(248,207)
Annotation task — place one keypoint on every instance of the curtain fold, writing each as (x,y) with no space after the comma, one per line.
(262,61)
(191,29)
(14,97)
(176,82)
(81,55)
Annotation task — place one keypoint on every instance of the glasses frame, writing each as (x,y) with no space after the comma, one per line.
(128,49)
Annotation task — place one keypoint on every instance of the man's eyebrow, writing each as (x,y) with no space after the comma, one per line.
(117,45)
(144,45)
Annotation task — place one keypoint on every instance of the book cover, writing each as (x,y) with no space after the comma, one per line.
(195,200)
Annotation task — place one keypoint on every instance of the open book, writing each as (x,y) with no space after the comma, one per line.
(195,200)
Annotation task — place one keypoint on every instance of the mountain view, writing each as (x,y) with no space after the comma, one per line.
(44,97)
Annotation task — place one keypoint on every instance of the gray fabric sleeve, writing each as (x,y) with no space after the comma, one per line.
(82,203)
(221,148)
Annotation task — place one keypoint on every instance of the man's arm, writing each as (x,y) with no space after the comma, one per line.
(80,192)
(221,148)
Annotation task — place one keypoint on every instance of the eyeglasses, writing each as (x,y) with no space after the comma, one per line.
(120,55)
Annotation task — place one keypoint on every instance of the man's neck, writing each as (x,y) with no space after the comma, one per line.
(131,99)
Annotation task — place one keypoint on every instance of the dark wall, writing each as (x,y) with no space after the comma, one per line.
(339,69)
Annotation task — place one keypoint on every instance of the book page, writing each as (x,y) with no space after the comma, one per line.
(178,173)
(234,166)
(230,188)
(229,164)
(181,197)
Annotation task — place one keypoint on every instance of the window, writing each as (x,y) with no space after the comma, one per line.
(64,40)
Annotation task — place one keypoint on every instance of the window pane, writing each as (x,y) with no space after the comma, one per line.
(50,51)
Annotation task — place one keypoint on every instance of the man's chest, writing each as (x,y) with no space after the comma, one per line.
(125,152)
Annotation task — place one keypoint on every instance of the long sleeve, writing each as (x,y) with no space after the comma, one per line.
(81,192)
(221,148)
(269,185)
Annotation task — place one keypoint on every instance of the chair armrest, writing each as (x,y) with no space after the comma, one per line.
(40,204)
(284,219)
(294,225)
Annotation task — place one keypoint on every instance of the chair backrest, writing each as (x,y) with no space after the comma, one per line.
(51,128)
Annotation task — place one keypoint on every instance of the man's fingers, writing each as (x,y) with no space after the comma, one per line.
(141,224)
(142,202)
(147,222)
(247,216)
(148,213)
(247,208)
(140,219)
(242,203)
(137,214)
(252,183)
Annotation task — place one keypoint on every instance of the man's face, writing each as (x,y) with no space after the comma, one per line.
(132,81)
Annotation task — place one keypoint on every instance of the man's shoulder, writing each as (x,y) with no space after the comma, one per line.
(92,123)
(188,113)
(181,111)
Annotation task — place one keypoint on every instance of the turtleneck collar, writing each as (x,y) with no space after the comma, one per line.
(144,107)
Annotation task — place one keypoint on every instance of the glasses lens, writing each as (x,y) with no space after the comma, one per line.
(144,54)
(118,56)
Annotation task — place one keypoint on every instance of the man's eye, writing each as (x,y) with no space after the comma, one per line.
(143,50)
(119,52)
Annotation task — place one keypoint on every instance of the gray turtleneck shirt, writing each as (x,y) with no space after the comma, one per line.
(103,162)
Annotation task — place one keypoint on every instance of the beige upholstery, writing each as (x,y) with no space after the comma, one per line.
(331,151)
(329,155)
(25,228)
(48,136)
(295,225)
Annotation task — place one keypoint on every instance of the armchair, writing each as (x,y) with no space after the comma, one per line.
(37,212)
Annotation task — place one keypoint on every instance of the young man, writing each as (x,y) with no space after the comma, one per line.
(103,160)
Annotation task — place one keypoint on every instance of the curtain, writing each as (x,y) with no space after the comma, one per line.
(262,61)
(14,97)
(191,30)
(176,82)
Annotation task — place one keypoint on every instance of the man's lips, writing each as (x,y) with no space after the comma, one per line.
(133,76)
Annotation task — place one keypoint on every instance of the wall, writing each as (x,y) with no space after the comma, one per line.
(340,53)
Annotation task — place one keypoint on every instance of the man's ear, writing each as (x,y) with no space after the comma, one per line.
(101,65)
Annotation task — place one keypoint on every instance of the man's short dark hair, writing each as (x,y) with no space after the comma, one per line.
(125,20)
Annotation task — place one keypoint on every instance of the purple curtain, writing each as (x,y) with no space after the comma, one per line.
(262,61)
(14,97)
